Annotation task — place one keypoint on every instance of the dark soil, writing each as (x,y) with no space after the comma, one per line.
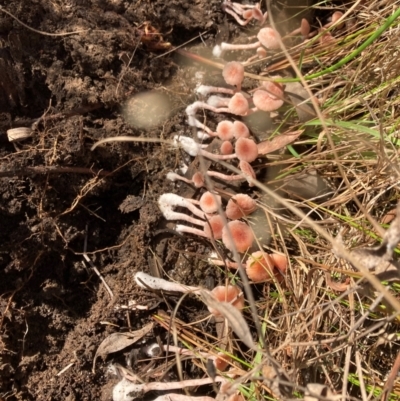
(54,310)
(56,193)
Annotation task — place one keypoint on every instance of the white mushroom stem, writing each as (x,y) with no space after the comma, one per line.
(191,147)
(225,177)
(191,110)
(205,90)
(218,101)
(228,263)
(171,215)
(248,174)
(176,177)
(182,397)
(194,122)
(180,228)
(178,350)
(168,201)
(218,50)
(127,390)
(237,18)
(144,280)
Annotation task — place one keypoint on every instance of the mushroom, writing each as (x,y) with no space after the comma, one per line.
(263,267)
(210,202)
(240,130)
(280,262)
(267,37)
(246,11)
(168,201)
(248,174)
(335,17)
(197,179)
(304,29)
(263,101)
(259,267)
(233,73)
(237,235)
(240,205)
(212,228)
(231,293)
(226,148)
(225,130)
(237,104)
(245,149)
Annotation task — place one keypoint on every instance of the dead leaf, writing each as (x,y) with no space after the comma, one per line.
(118,341)
(278,142)
(232,315)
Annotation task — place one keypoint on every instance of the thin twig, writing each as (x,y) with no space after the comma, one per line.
(93,266)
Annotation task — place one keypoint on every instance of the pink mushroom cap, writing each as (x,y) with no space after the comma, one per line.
(198,180)
(231,293)
(248,171)
(246,149)
(225,130)
(241,233)
(238,104)
(226,148)
(280,262)
(259,267)
(209,202)
(274,89)
(240,205)
(269,38)
(240,130)
(263,101)
(213,228)
(233,73)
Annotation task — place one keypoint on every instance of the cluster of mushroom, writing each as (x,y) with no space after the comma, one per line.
(267,37)
(268,97)
(208,215)
(239,103)
(260,266)
(235,234)
(225,225)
